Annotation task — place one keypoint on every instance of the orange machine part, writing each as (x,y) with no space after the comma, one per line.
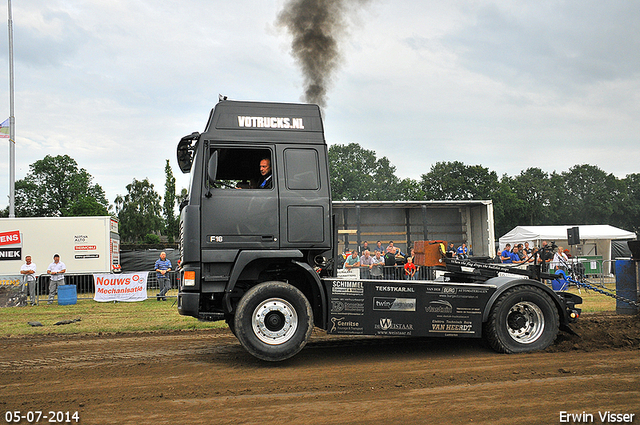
(429,253)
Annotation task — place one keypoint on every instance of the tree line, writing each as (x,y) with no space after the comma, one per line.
(56,186)
(585,194)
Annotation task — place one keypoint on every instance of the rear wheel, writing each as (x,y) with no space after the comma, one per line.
(523,319)
(273,321)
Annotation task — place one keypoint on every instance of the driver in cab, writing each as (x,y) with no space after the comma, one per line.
(265,172)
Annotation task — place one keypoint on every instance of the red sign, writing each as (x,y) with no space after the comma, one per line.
(85,247)
(10,238)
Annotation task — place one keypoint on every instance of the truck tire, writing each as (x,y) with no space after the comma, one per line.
(523,319)
(273,321)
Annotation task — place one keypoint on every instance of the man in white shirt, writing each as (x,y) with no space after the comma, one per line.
(28,272)
(56,270)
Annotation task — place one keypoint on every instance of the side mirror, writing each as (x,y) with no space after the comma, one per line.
(212,166)
(185,151)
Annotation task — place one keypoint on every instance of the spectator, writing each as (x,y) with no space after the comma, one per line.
(401,257)
(366,261)
(410,269)
(342,257)
(462,251)
(497,258)
(56,270)
(364,247)
(28,269)
(546,255)
(391,248)
(521,253)
(379,247)
(559,260)
(162,267)
(532,255)
(505,256)
(515,256)
(526,249)
(389,259)
(376,267)
(451,252)
(352,260)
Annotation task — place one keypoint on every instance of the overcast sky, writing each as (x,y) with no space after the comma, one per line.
(508,85)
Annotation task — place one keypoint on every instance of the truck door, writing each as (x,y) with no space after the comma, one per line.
(304,197)
(236,212)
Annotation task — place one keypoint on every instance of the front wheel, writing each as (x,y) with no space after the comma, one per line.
(273,321)
(523,319)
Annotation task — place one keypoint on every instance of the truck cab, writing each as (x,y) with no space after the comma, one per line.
(236,232)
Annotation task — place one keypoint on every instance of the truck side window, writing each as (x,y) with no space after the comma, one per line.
(301,169)
(239,167)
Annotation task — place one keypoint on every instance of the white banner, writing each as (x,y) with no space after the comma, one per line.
(349,274)
(127,287)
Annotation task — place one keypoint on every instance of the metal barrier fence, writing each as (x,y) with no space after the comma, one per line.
(605,278)
(85,285)
(395,273)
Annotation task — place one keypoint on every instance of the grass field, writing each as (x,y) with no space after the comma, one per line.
(151,315)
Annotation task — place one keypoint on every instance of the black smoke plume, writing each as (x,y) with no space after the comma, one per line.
(317,27)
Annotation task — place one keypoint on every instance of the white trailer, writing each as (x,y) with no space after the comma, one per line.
(85,244)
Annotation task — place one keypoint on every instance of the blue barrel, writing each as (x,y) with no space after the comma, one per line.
(626,285)
(560,283)
(67,294)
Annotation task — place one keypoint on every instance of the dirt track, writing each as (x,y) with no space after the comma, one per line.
(206,377)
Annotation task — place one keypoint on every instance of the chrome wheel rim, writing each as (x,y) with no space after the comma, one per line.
(274,321)
(525,322)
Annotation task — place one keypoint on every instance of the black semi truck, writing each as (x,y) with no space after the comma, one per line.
(258,243)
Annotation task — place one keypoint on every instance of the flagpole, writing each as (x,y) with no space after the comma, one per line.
(12,125)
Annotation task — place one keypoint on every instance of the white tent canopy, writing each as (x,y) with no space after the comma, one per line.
(594,239)
(559,233)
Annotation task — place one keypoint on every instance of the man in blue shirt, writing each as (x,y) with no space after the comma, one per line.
(462,251)
(515,257)
(161,267)
(506,255)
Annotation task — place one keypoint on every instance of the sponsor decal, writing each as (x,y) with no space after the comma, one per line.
(349,274)
(8,254)
(394,304)
(337,306)
(344,325)
(452,326)
(439,306)
(271,122)
(395,288)
(468,310)
(10,238)
(347,287)
(85,248)
(347,306)
(449,290)
(386,326)
(123,287)
(86,256)
(80,238)
(10,281)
